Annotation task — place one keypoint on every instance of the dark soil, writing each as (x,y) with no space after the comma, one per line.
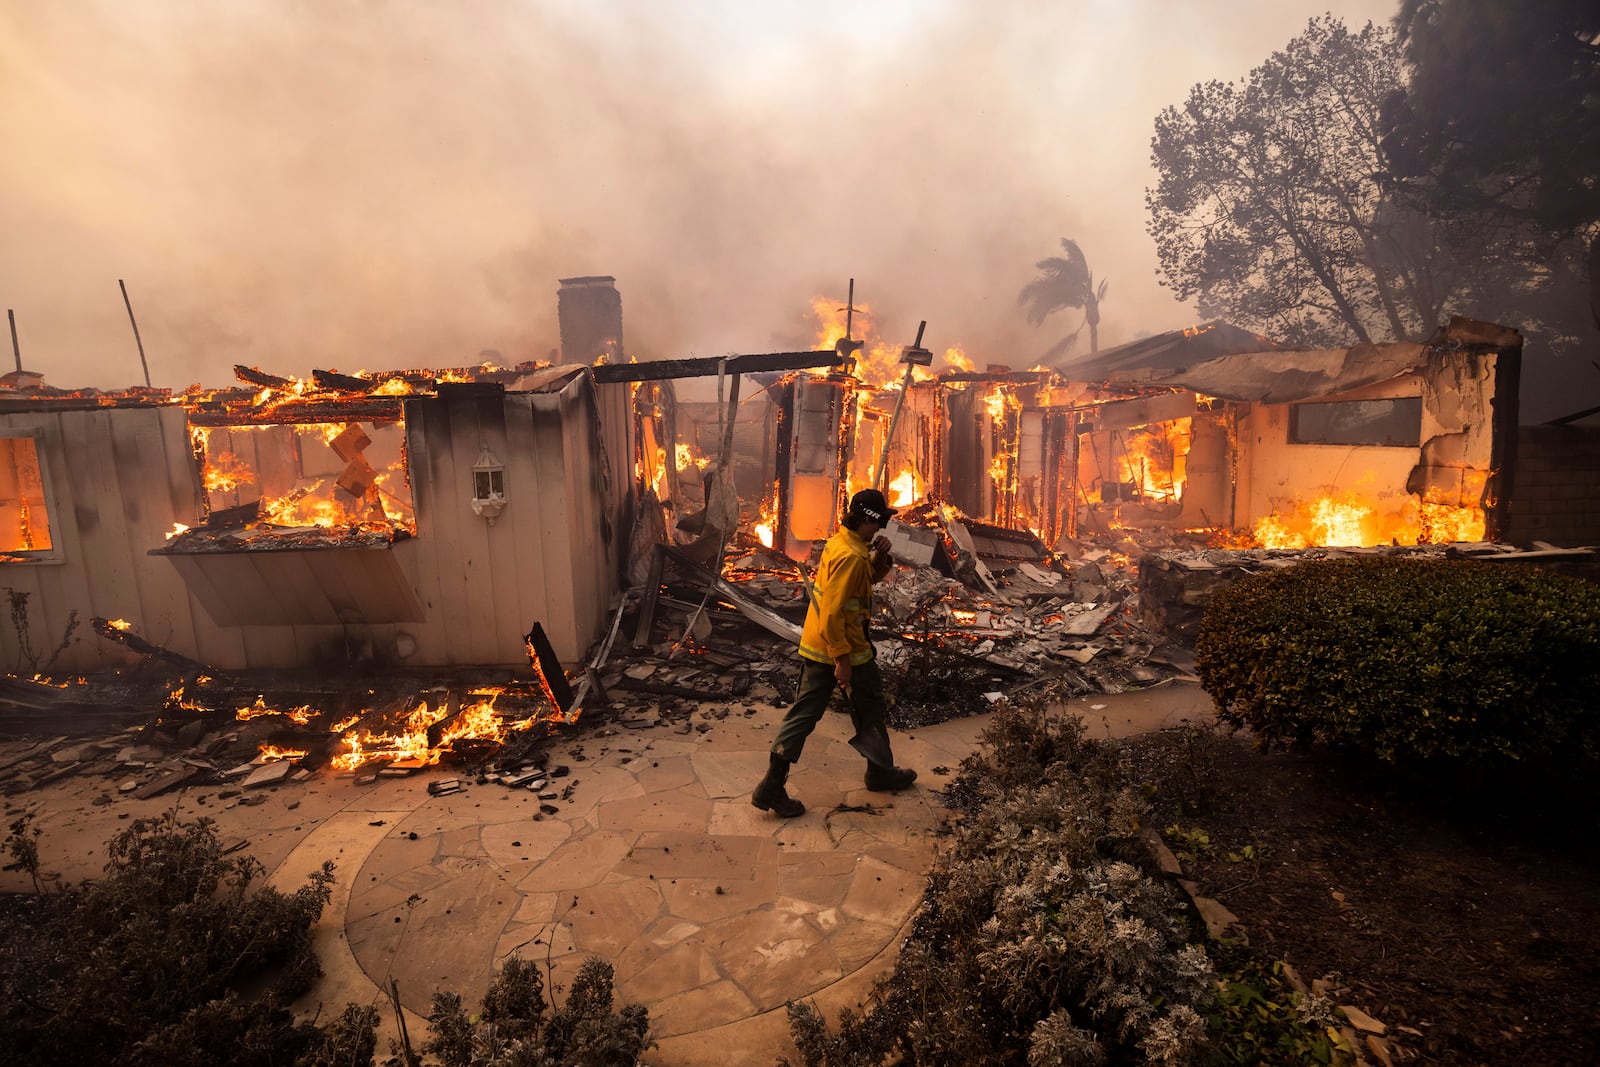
(1466,919)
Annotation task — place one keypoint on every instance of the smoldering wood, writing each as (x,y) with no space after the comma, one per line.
(239,515)
(343,383)
(757,614)
(708,366)
(368,409)
(138,644)
(542,658)
(255,376)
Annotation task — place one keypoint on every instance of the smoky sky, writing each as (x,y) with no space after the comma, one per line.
(369,185)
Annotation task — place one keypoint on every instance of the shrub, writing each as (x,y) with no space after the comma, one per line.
(1408,659)
(146,965)
(1038,939)
(518,1027)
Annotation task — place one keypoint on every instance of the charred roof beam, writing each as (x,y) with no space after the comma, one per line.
(707,366)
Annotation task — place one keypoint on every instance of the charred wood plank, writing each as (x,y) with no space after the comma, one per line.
(242,515)
(260,377)
(138,644)
(708,366)
(766,619)
(547,665)
(346,409)
(343,383)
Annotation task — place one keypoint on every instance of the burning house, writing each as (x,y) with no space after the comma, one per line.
(416,518)
(426,519)
(1210,430)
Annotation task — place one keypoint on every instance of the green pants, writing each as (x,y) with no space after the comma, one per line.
(868,712)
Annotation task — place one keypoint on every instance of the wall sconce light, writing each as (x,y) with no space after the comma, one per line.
(488,486)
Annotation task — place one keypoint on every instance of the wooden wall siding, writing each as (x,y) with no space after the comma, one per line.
(337,587)
(118,480)
(545,559)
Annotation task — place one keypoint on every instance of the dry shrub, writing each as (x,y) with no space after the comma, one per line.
(1039,939)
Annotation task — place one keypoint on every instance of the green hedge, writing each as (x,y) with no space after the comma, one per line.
(1409,659)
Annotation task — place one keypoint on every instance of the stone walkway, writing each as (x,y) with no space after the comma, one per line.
(713,914)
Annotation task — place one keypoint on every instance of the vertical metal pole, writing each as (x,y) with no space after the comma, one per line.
(16,350)
(136,339)
(850,311)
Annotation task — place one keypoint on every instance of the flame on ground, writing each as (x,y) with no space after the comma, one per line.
(273,754)
(408,741)
(476,720)
(301,715)
(1353,520)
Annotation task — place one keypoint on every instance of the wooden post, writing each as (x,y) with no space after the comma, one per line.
(894,419)
(16,350)
(136,339)
(727,429)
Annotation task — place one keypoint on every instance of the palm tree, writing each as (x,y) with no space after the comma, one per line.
(1065,283)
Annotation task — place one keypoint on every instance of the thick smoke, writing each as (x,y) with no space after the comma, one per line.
(374,185)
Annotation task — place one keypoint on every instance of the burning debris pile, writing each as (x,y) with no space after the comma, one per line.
(212,731)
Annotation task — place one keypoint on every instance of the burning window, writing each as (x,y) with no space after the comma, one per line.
(24,519)
(1394,423)
(303,475)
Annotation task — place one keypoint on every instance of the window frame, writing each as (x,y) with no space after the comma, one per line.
(52,509)
(1294,436)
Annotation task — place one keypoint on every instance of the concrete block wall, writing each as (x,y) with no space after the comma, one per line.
(1556,494)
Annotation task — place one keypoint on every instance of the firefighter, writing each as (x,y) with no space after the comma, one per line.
(835,649)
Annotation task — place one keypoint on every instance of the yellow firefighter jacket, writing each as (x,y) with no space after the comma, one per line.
(841,601)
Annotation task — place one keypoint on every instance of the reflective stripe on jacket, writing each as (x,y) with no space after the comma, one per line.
(841,601)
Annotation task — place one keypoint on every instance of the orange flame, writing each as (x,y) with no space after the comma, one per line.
(1350,519)
(226,473)
(956,359)
(905,489)
(1155,458)
(408,741)
(766,524)
(273,754)
(301,715)
(687,458)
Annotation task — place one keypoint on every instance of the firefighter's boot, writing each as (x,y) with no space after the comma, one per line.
(770,794)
